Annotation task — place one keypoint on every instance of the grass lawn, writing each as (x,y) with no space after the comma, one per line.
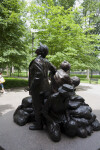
(84,80)
(16,82)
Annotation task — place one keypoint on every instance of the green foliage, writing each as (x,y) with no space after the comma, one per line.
(66,39)
(79,75)
(92,6)
(12,46)
(84,76)
(15,82)
(11,26)
(91,12)
(69,34)
(65,3)
(20,74)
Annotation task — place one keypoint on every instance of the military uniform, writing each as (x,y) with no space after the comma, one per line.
(38,83)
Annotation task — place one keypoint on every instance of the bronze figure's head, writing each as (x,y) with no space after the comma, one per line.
(42,50)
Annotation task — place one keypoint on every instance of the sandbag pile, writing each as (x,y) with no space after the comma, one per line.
(79,122)
(81,114)
(25,112)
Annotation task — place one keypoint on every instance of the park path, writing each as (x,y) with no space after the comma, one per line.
(13,137)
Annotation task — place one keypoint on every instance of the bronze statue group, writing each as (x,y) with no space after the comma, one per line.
(53,104)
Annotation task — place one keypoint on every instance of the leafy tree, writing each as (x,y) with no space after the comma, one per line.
(92,6)
(12,46)
(65,3)
(66,39)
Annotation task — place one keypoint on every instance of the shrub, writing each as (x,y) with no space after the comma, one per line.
(15,82)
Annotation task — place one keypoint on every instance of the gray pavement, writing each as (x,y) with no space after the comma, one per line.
(14,137)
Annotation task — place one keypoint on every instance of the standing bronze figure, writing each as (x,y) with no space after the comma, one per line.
(38,82)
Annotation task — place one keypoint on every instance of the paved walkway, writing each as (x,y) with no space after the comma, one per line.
(14,137)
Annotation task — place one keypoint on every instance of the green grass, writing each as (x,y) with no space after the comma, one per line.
(14,82)
(11,82)
(84,76)
(84,80)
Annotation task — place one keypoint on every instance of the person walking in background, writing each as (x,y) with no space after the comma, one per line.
(2,80)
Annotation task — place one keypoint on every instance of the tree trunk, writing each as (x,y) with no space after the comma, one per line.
(10,71)
(18,72)
(91,73)
(88,74)
(7,69)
